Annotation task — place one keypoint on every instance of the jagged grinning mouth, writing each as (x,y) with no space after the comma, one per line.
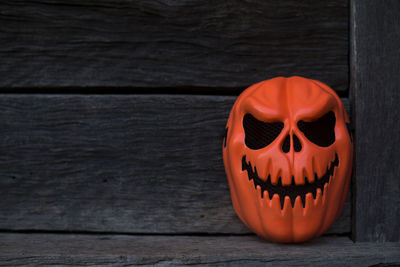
(292,190)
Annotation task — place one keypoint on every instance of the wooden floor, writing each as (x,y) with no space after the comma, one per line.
(126,250)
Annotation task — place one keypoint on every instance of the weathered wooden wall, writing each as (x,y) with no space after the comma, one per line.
(190,45)
(149,163)
(376,94)
(118,163)
(81,152)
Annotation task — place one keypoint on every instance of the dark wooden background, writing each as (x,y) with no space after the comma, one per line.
(143,161)
(118,163)
(168,45)
(112,115)
(375,89)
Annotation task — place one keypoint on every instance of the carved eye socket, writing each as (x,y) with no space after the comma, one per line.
(322,131)
(259,134)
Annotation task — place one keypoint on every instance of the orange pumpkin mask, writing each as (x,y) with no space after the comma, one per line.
(288,158)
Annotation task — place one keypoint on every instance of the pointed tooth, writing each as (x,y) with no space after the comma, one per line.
(309,202)
(265,194)
(318,199)
(313,174)
(324,196)
(298,208)
(262,201)
(311,178)
(271,171)
(307,171)
(275,203)
(331,177)
(275,176)
(320,167)
(299,178)
(323,178)
(268,166)
(287,206)
(253,168)
(265,168)
(322,190)
(303,200)
(274,180)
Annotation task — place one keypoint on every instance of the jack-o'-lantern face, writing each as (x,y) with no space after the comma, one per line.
(288,156)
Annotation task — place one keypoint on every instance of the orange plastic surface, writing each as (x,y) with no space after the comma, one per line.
(288,100)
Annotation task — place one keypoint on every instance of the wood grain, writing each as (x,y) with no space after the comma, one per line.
(226,46)
(117,250)
(117,163)
(375,77)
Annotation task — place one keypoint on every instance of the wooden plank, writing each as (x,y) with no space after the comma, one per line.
(191,44)
(375,78)
(117,163)
(118,250)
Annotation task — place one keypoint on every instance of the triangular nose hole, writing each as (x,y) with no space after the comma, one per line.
(296,143)
(286,144)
